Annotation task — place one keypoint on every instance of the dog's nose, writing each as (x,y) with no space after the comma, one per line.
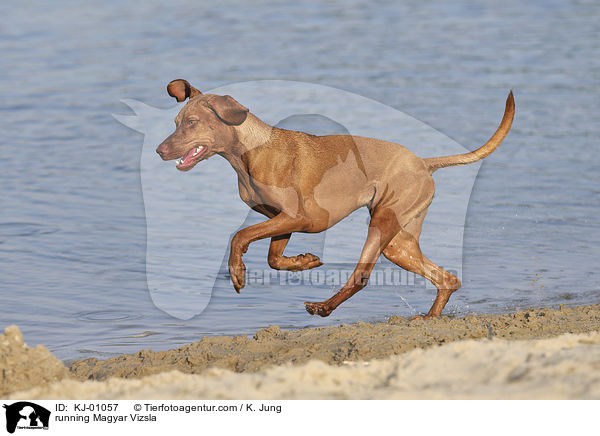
(161,150)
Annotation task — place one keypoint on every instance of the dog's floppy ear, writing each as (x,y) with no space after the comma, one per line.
(181,89)
(228,109)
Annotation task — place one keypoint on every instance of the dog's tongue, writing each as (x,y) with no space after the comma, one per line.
(191,158)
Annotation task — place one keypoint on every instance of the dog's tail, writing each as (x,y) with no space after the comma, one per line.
(435,163)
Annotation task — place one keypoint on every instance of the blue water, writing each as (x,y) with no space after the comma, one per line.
(72,218)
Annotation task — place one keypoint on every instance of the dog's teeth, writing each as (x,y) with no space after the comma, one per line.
(198,150)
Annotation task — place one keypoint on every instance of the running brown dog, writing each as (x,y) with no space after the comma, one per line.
(307,183)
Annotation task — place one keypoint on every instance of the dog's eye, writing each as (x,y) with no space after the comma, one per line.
(190,122)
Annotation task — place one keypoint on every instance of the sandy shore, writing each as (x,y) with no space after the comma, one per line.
(566,367)
(540,353)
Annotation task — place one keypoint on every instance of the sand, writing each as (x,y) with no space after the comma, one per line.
(335,345)
(22,367)
(567,367)
(537,353)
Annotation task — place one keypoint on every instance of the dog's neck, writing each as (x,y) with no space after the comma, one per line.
(252,134)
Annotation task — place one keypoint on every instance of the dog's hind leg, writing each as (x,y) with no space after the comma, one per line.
(405,252)
(382,228)
(277,260)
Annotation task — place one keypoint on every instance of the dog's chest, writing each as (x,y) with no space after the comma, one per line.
(252,195)
(247,194)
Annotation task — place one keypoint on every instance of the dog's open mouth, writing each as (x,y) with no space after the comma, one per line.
(191,158)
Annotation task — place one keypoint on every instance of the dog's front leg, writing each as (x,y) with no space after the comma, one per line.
(300,262)
(281,224)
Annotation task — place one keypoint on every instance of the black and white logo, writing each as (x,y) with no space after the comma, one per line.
(26,415)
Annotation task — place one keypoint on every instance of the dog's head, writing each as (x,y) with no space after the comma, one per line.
(204,127)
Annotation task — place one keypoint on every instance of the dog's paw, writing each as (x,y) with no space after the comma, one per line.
(320,309)
(296,263)
(423,317)
(237,271)
(307,261)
